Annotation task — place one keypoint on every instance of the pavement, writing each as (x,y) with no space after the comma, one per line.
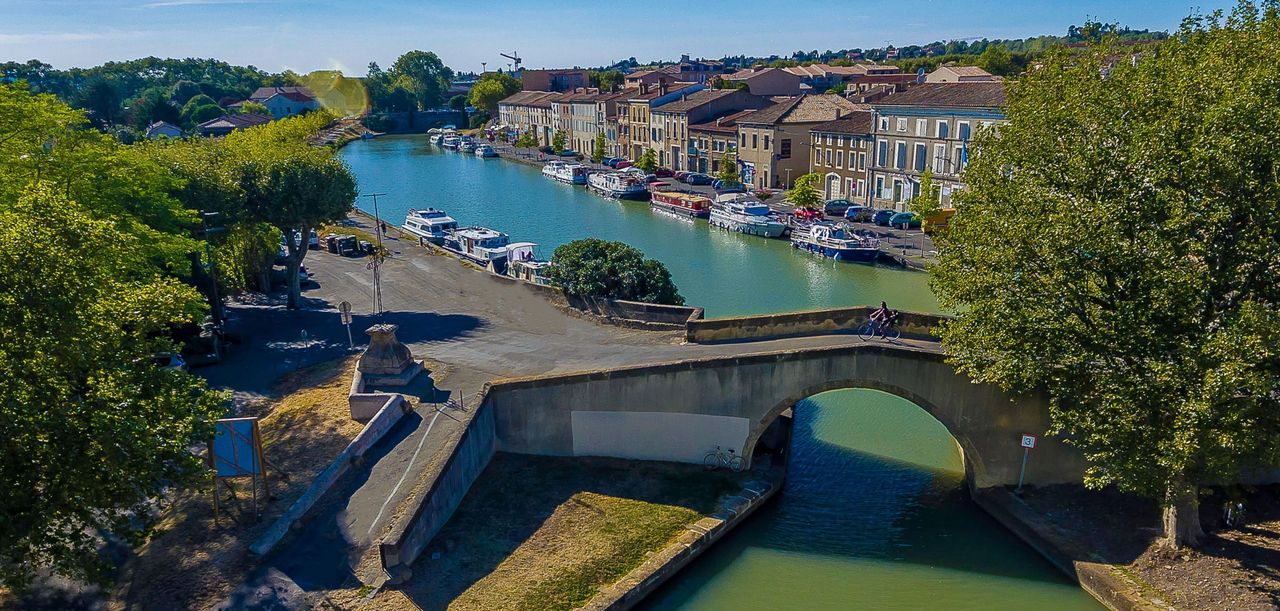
(471,327)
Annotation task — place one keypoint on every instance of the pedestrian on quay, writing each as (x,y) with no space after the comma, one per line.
(384,228)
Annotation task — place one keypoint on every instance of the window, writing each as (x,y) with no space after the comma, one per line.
(839,158)
(963,129)
(817,156)
(766,142)
(902,125)
(784,148)
(862,161)
(755,141)
(884,124)
(944,130)
(939,158)
(744,140)
(921,154)
(828,139)
(848,188)
(901,161)
(897,190)
(880,187)
(828,157)
(922,127)
(862,187)
(882,154)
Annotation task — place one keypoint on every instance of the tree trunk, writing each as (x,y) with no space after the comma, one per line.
(296,253)
(1182,517)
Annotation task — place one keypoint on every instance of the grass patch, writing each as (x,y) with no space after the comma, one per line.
(547,533)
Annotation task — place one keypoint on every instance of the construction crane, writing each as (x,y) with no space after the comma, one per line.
(514,57)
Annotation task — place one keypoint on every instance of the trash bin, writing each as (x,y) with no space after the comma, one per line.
(331,241)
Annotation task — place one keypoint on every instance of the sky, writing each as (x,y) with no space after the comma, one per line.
(305,35)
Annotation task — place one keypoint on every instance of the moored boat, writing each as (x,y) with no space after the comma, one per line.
(682,204)
(484,150)
(837,242)
(481,245)
(467,145)
(451,142)
(523,263)
(551,167)
(618,185)
(745,214)
(430,224)
(571,173)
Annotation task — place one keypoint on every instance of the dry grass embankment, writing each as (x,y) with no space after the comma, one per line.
(195,561)
(547,533)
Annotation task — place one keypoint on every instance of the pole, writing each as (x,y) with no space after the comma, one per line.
(375,264)
(1022,474)
(351,344)
(213,268)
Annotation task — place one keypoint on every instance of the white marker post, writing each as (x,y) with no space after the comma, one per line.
(344,308)
(1028,442)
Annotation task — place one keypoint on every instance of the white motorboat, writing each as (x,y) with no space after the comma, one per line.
(484,150)
(571,173)
(552,167)
(480,245)
(451,142)
(836,241)
(429,224)
(467,145)
(745,214)
(524,264)
(618,185)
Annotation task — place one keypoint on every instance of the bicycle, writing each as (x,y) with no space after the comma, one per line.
(720,457)
(871,328)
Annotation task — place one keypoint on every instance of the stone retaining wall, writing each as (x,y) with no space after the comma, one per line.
(799,324)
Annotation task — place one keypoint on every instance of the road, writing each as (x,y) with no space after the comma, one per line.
(472,328)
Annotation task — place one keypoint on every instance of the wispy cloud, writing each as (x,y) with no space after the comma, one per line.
(174,3)
(57,37)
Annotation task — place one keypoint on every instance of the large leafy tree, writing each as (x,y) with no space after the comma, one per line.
(598,268)
(648,161)
(425,75)
(93,430)
(806,193)
(927,202)
(1116,247)
(492,88)
(728,171)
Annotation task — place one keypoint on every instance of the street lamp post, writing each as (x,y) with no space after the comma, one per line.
(788,170)
(376,261)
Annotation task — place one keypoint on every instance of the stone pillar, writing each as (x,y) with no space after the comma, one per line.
(386,360)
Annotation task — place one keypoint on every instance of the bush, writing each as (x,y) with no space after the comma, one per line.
(597,268)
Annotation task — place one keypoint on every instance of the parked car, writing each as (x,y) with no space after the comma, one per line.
(860,214)
(664,173)
(882,216)
(807,214)
(836,207)
(651,178)
(610,161)
(546,149)
(697,178)
(569,153)
(623,164)
(168,360)
(905,220)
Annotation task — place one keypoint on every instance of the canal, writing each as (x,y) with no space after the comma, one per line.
(873,514)
(728,274)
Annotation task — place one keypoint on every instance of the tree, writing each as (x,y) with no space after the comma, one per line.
(459,103)
(728,169)
(527,140)
(927,202)
(493,87)
(805,192)
(648,161)
(598,148)
(291,185)
(613,270)
(254,108)
(559,142)
(93,429)
(996,59)
(101,98)
(425,76)
(183,91)
(1122,265)
(606,80)
(153,105)
(208,112)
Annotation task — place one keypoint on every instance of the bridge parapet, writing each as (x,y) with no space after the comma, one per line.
(798,324)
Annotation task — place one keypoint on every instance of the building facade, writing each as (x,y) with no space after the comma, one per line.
(774,143)
(669,123)
(928,128)
(841,152)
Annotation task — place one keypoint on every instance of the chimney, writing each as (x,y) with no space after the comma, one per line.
(662,87)
(644,88)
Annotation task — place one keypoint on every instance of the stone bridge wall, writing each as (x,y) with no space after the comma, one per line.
(797,324)
(679,411)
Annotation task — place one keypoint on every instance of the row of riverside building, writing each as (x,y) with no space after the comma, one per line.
(871,144)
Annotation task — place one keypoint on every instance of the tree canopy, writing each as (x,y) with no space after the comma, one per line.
(806,193)
(598,268)
(1116,246)
(424,75)
(91,250)
(648,161)
(493,87)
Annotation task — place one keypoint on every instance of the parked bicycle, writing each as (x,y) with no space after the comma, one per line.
(889,330)
(721,457)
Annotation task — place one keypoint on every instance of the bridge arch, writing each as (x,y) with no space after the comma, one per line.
(758,429)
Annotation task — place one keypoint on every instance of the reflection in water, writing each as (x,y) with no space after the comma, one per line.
(873,515)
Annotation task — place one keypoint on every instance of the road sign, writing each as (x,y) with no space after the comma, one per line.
(345,309)
(1029,441)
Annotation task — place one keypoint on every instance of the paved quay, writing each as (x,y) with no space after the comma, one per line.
(471,327)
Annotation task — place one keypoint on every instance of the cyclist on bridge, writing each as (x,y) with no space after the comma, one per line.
(883,317)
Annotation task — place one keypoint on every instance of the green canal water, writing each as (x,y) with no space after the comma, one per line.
(873,515)
(728,274)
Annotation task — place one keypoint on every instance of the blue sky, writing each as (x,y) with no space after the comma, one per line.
(305,35)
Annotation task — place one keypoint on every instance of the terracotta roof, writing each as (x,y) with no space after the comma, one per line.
(950,95)
(749,73)
(536,99)
(726,124)
(857,124)
(803,109)
(966,71)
